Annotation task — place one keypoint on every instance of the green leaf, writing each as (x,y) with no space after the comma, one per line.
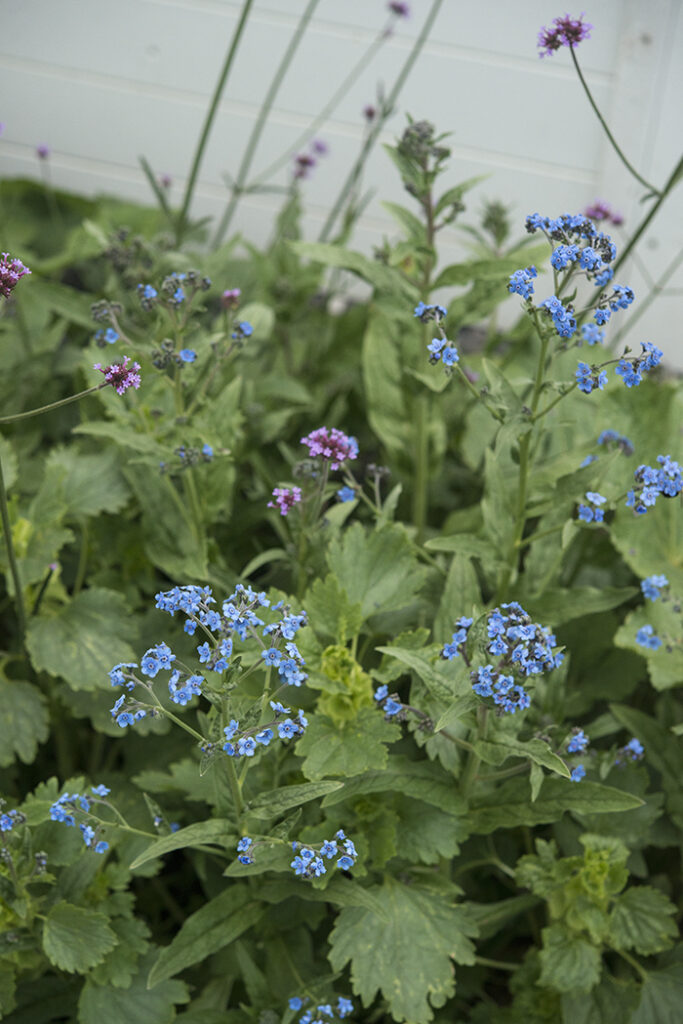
(382,380)
(441,684)
(218,923)
(348,750)
(84,639)
(277,801)
(557,605)
(413,226)
(491,917)
(420,780)
(7,988)
(486,270)
(661,997)
(8,460)
(568,962)
(125,437)
(332,613)
(509,805)
(409,957)
(24,722)
(214,830)
(662,749)
(68,302)
(383,278)
(426,833)
(377,569)
(497,503)
(104,1004)
(460,595)
(76,939)
(640,919)
(88,484)
(499,750)
(611,1000)
(120,965)
(665,665)
(342,892)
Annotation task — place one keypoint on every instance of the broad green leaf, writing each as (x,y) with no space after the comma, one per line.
(343,892)
(441,684)
(385,279)
(261,317)
(409,957)
(88,484)
(420,780)
(350,749)
(332,613)
(8,459)
(218,923)
(640,919)
(484,270)
(663,751)
(377,569)
(665,665)
(499,750)
(414,227)
(24,722)
(460,595)
(382,381)
(611,1000)
(68,302)
(509,805)
(76,939)
(104,1004)
(276,801)
(120,965)
(497,505)
(84,639)
(463,544)
(661,997)
(427,834)
(536,777)
(568,962)
(491,917)
(214,830)
(125,437)
(170,538)
(556,605)
(7,988)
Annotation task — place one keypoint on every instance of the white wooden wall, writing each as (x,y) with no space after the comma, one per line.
(102,82)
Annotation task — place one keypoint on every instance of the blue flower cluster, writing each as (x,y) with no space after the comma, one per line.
(64,810)
(245,744)
(458,640)
(632,751)
(108,337)
(608,437)
(652,483)
(651,586)
(588,378)
(579,242)
(309,862)
(241,329)
(592,513)
(646,637)
(389,704)
(8,819)
(561,316)
(521,282)
(323,1012)
(440,350)
(426,313)
(632,370)
(578,742)
(237,618)
(578,773)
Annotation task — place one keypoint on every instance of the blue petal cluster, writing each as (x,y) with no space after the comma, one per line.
(592,513)
(632,751)
(590,378)
(458,640)
(65,808)
(389,704)
(620,440)
(426,313)
(309,861)
(323,1012)
(578,773)
(646,637)
(562,318)
(8,819)
(521,282)
(578,742)
(631,370)
(652,483)
(652,585)
(245,744)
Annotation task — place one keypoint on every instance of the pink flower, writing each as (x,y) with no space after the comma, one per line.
(11,272)
(285,499)
(230,298)
(331,444)
(600,210)
(567,32)
(120,375)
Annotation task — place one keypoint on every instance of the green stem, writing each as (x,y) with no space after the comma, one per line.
(457,740)
(500,965)
(629,167)
(373,134)
(656,289)
(421,466)
(82,559)
(235,788)
(473,759)
(329,107)
(254,138)
(11,556)
(209,119)
(638,968)
(476,394)
(53,405)
(504,773)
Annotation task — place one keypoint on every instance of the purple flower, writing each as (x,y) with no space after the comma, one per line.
(331,444)
(397,7)
(42,151)
(566,32)
(230,298)
(285,499)
(120,375)
(600,210)
(11,272)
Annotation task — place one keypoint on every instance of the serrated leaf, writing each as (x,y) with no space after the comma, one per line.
(568,962)
(332,613)
(218,923)
(76,939)
(377,568)
(661,997)
(611,1000)
(215,830)
(499,750)
(346,750)
(409,957)
(343,892)
(420,780)
(84,639)
(640,919)
(277,801)
(509,806)
(88,484)
(120,965)
(104,1004)
(24,722)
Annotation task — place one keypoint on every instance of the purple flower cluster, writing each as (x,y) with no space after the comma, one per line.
(652,483)
(65,808)
(285,499)
(246,740)
(566,31)
(592,513)
(332,445)
(120,375)
(600,210)
(305,162)
(11,272)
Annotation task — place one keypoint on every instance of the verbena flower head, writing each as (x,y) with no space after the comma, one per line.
(42,151)
(566,31)
(230,298)
(400,9)
(653,585)
(11,272)
(331,444)
(120,375)
(600,210)
(285,499)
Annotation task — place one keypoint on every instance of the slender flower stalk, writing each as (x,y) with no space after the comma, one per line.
(181,222)
(238,187)
(11,556)
(53,405)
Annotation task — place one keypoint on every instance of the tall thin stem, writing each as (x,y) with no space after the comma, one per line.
(248,155)
(13,565)
(209,119)
(373,134)
(629,167)
(53,405)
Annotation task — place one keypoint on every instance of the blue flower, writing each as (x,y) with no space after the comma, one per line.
(246,746)
(346,494)
(646,637)
(242,329)
(295,1003)
(187,355)
(434,348)
(264,737)
(344,863)
(109,336)
(287,729)
(588,379)
(578,773)
(578,742)
(652,585)
(450,356)
(272,656)
(279,708)
(564,255)
(381,692)
(101,847)
(520,282)
(391,707)
(634,749)
(119,678)
(100,790)
(601,316)
(592,334)
(344,1007)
